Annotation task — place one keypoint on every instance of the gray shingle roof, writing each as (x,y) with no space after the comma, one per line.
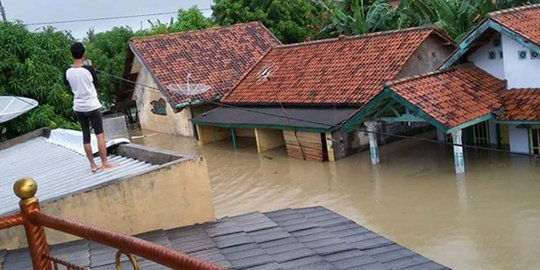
(58,170)
(307,238)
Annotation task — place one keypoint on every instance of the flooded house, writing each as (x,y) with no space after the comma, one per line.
(300,95)
(487,93)
(179,75)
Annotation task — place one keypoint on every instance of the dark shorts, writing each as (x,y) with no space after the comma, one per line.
(97,123)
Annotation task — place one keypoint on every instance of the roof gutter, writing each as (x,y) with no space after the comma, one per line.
(248,125)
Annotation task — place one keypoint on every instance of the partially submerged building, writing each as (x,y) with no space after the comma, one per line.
(307,238)
(299,95)
(486,93)
(128,199)
(179,75)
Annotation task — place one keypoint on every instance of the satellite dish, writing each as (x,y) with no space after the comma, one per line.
(11,107)
(189,89)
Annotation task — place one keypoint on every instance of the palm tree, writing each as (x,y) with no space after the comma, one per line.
(359,17)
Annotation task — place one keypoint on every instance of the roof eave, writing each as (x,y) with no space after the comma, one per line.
(463,46)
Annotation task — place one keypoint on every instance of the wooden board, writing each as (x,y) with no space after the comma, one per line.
(308,146)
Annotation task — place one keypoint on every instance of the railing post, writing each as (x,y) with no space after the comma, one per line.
(26,189)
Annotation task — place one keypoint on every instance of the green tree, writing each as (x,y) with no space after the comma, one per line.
(31,65)
(108,51)
(186,20)
(454,17)
(357,17)
(290,20)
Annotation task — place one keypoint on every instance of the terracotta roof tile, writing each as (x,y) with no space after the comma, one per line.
(347,70)
(523,20)
(452,96)
(217,57)
(521,104)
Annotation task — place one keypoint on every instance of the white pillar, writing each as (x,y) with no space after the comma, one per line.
(459,161)
(372,127)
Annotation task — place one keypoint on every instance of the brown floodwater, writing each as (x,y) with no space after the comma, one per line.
(488,218)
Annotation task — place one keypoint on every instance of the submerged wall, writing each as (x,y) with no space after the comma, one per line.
(177,194)
(519,139)
(268,139)
(304,145)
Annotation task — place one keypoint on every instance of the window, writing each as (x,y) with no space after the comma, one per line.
(501,54)
(496,42)
(534,55)
(492,55)
(522,55)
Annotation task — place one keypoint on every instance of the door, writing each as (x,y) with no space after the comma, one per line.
(535,140)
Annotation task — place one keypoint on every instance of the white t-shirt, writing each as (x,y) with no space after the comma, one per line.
(83,82)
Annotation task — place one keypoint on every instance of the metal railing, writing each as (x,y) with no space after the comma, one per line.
(34,222)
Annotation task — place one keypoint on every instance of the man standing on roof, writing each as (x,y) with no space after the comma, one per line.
(82,79)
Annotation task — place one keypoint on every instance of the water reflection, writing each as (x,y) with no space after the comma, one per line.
(488,218)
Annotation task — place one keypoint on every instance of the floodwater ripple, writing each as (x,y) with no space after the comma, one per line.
(488,218)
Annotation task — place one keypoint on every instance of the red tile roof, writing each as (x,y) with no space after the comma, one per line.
(521,104)
(453,96)
(524,20)
(347,70)
(217,57)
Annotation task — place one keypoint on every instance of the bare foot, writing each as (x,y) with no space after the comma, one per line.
(95,169)
(109,166)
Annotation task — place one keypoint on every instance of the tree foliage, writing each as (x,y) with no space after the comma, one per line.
(186,20)
(454,17)
(31,65)
(290,20)
(108,51)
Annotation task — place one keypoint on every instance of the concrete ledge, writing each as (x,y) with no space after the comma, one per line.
(149,154)
(42,132)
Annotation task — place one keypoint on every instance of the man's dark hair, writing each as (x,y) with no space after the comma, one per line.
(77,50)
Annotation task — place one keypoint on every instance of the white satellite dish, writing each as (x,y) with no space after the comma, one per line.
(188,89)
(11,107)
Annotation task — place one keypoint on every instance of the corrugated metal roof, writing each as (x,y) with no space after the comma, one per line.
(306,238)
(58,170)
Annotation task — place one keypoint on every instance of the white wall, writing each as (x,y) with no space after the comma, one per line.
(519,139)
(519,73)
(493,66)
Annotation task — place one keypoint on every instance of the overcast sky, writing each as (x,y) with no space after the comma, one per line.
(37,11)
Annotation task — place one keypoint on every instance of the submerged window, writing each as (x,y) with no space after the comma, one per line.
(522,55)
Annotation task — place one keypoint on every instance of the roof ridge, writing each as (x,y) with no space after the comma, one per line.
(440,71)
(197,31)
(514,9)
(424,75)
(374,34)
